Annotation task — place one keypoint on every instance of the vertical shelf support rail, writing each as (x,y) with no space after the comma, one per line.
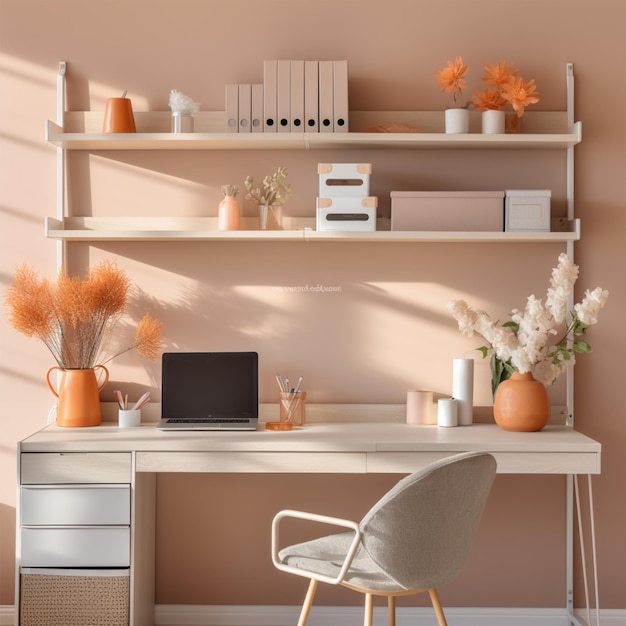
(572,489)
(61,164)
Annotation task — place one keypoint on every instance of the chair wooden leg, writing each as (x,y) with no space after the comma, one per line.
(391,610)
(308,602)
(369,610)
(434,598)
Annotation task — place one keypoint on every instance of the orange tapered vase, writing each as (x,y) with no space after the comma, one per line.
(118,116)
(79,396)
(521,404)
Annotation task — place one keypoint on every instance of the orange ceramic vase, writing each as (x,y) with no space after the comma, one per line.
(521,404)
(118,116)
(229,214)
(79,396)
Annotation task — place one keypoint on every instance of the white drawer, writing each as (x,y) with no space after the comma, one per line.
(53,467)
(76,505)
(75,547)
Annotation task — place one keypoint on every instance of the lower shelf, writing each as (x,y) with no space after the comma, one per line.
(295,229)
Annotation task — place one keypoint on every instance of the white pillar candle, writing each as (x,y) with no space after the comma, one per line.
(419,407)
(463,389)
(447,412)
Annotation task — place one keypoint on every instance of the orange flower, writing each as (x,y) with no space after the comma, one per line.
(451,78)
(148,337)
(489,100)
(520,94)
(499,74)
(31,304)
(73,317)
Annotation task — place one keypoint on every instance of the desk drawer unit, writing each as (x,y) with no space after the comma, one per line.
(75,539)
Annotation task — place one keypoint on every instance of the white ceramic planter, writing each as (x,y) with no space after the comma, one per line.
(457,121)
(493,122)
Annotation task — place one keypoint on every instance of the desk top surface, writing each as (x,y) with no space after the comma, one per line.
(314,437)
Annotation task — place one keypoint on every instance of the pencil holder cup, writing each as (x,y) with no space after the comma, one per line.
(118,116)
(293,407)
(129,418)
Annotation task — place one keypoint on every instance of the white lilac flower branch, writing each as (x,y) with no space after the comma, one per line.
(274,191)
(522,343)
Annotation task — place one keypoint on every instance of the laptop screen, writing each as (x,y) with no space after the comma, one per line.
(209,384)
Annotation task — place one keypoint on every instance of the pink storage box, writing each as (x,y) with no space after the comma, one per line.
(478,211)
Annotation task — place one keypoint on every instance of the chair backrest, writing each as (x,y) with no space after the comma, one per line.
(421,531)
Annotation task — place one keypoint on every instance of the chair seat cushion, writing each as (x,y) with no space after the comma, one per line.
(326,556)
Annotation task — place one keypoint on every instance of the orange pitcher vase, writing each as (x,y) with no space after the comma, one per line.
(79,396)
(521,404)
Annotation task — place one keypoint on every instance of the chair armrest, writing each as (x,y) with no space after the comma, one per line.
(324,519)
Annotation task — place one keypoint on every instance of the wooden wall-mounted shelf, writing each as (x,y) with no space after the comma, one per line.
(296,229)
(82,131)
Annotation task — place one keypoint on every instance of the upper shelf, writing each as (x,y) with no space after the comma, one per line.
(82,131)
(295,229)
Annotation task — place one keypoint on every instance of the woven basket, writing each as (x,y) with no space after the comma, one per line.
(57,600)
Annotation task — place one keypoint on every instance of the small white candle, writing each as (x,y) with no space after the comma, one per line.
(447,412)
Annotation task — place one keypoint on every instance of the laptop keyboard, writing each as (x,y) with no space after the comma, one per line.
(208,420)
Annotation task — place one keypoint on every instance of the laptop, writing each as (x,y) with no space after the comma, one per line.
(209,391)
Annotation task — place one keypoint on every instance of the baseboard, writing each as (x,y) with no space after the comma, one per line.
(191,615)
(7,615)
(200,615)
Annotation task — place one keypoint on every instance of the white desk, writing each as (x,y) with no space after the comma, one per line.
(106,454)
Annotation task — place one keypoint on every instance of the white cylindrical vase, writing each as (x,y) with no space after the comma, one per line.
(463,389)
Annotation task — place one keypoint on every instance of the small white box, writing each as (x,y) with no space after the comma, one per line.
(527,209)
(344,179)
(346,214)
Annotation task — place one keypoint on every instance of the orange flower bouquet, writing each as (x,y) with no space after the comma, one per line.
(506,87)
(74,317)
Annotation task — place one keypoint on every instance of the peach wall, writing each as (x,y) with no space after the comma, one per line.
(386,328)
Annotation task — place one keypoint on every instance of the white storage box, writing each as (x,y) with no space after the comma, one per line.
(527,209)
(477,211)
(346,214)
(344,179)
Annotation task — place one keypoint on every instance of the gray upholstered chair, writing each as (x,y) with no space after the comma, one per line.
(414,539)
